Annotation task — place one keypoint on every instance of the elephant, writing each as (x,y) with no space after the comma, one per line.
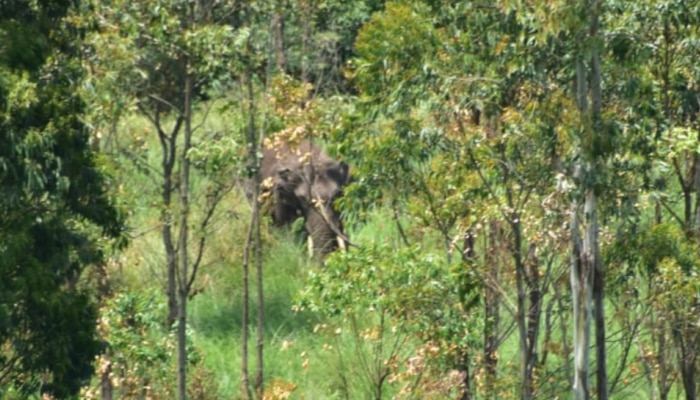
(303,181)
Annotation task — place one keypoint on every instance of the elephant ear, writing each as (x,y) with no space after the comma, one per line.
(345,173)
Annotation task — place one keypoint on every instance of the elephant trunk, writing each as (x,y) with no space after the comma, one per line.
(325,233)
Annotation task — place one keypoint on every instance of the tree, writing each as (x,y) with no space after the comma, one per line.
(586,265)
(469,108)
(661,111)
(55,208)
(180,54)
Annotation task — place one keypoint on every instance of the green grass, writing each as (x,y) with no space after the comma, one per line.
(290,340)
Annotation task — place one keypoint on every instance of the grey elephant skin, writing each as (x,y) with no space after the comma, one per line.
(303,181)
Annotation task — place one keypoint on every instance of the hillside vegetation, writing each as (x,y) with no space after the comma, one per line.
(523,209)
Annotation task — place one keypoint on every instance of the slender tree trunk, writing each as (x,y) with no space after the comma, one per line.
(663,381)
(587,279)
(580,271)
(182,340)
(253,141)
(252,150)
(593,248)
(526,362)
(686,343)
(592,253)
(168,145)
(305,37)
(581,299)
(534,312)
(468,257)
(687,363)
(491,308)
(528,314)
(171,267)
(278,36)
(696,186)
(183,259)
(168,162)
(245,377)
(259,375)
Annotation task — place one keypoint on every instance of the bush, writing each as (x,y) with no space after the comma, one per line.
(140,357)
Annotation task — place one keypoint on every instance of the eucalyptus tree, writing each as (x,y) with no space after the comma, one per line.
(587,282)
(673,67)
(510,91)
(549,120)
(512,96)
(459,99)
(653,46)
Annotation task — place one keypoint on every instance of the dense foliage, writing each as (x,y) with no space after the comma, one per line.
(54,207)
(525,205)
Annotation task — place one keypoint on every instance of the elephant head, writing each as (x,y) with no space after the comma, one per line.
(305,182)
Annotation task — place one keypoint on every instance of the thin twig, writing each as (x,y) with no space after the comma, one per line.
(165,102)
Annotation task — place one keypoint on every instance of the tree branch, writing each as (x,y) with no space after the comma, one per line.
(164,102)
(215,200)
(673,213)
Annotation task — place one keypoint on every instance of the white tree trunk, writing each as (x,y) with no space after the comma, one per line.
(581,297)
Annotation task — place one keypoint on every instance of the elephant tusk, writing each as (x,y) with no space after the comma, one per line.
(341,236)
(346,241)
(310,246)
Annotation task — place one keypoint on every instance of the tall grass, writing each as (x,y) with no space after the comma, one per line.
(294,353)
